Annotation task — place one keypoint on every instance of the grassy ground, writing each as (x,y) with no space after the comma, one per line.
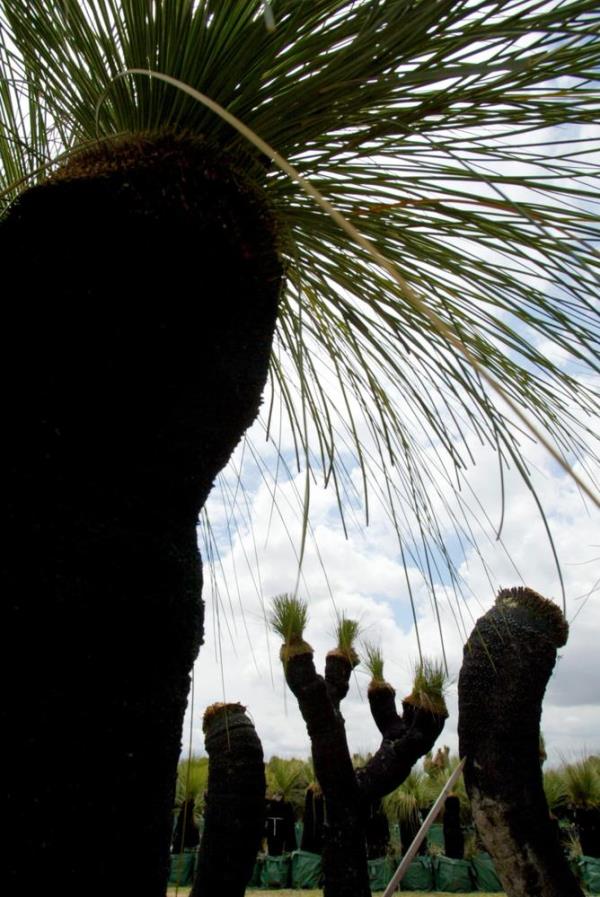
(183,892)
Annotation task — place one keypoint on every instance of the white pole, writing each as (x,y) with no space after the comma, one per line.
(431,817)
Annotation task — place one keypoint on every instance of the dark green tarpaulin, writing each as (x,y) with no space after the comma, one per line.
(419,875)
(589,871)
(484,873)
(306,869)
(381,870)
(435,835)
(275,872)
(182,868)
(451,875)
(256,873)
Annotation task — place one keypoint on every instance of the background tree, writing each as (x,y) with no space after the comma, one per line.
(235,802)
(507,663)
(349,793)
(145,253)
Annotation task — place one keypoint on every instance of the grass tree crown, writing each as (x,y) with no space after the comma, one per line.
(437,129)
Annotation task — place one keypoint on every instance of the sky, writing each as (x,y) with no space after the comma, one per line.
(362,575)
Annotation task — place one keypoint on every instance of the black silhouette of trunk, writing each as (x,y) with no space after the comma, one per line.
(507,662)
(142,293)
(313,820)
(377,831)
(587,820)
(280,830)
(235,803)
(186,835)
(349,793)
(454,841)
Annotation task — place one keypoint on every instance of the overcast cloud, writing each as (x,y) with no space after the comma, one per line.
(364,577)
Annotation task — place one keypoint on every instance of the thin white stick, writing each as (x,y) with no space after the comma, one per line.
(431,817)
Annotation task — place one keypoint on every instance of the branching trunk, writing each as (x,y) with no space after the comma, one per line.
(344,850)
(507,663)
(406,738)
(138,337)
(349,794)
(234,812)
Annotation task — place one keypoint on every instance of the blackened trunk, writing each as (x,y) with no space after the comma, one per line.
(235,804)
(313,821)
(507,662)
(454,841)
(344,852)
(140,301)
(186,835)
(279,830)
(587,820)
(377,831)
(406,738)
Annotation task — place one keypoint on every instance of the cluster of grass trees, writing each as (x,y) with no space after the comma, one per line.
(504,795)
(570,788)
(167,254)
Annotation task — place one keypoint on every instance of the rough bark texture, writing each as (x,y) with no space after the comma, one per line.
(234,814)
(507,663)
(344,851)
(349,794)
(406,738)
(138,326)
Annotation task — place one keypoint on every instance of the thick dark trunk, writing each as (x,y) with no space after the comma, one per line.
(507,663)
(143,296)
(279,829)
(313,820)
(234,812)
(454,841)
(186,835)
(344,850)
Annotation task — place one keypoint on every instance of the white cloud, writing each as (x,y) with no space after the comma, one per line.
(364,577)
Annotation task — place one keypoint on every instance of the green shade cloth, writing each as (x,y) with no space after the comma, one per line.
(435,835)
(182,868)
(589,871)
(419,875)
(381,871)
(275,871)
(453,876)
(306,869)
(484,873)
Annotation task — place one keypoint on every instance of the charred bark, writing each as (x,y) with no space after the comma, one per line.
(344,850)
(406,738)
(235,803)
(186,835)
(350,794)
(138,337)
(507,663)
(454,841)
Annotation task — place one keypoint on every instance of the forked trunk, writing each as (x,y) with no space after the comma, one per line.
(507,663)
(234,814)
(140,301)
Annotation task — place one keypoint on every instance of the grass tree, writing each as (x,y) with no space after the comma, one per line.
(508,660)
(349,792)
(234,813)
(162,263)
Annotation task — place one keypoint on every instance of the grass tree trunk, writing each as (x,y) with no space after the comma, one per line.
(507,662)
(349,795)
(234,814)
(138,334)
(344,849)
(405,739)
